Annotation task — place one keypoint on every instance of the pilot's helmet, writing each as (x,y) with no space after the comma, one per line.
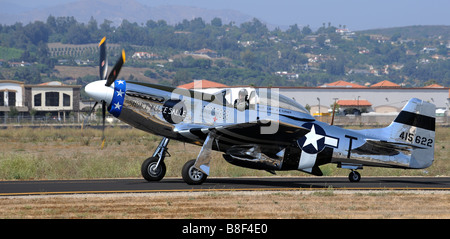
(243,93)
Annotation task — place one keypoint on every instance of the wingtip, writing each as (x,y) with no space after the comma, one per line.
(123,56)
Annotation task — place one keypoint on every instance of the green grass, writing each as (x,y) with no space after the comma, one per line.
(10,53)
(48,153)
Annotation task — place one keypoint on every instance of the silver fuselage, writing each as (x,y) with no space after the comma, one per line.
(272,133)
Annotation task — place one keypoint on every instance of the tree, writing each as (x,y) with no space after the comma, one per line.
(36,32)
(306,30)
(321,40)
(42,55)
(394,55)
(409,68)
(336,67)
(13,112)
(78,34)
(196,24)
(30,75)
(182,76)
(64,23)
(294,31)
(429,82)
(396,36)
(248,58)
(51,23)
(443,50)
(32,113)
(216,22)
(92,27)
(105,27)
(255,27)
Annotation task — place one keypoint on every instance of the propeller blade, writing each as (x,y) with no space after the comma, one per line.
(115,71)
(103,59)
(103,126)
(89,115)
(334,111)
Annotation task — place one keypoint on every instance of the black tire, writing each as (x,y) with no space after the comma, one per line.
(354,176)
(191,175)
(149,172)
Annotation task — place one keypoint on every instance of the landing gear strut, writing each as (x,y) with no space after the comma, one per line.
(154,168)
(194,171)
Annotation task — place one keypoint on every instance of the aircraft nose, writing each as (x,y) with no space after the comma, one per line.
(99,91)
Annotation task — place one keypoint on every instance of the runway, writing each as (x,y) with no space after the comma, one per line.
(54,187)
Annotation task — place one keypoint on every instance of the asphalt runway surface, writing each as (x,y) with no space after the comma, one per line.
(52,187)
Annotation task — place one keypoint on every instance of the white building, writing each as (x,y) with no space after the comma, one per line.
(382,98)
(51,97)
(12,94)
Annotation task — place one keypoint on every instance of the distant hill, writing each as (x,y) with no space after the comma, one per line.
(415,32)
(117,10)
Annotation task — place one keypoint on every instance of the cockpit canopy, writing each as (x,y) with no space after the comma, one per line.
(247,98)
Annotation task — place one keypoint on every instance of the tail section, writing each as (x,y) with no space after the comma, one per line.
(415,126)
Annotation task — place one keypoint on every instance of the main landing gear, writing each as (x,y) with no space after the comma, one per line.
(154,168)
(192,175)
(354,176)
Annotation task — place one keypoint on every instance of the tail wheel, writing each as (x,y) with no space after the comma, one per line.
(191,175)
(354,176)
(151,172)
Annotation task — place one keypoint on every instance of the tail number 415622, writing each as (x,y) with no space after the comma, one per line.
(416,139)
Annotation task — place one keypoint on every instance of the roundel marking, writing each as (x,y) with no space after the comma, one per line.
(314,141)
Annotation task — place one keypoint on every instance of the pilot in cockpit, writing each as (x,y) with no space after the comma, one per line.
(242,102)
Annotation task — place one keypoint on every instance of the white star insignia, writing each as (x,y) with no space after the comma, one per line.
(312,138)
(117,105)
(120,82)
(120,93)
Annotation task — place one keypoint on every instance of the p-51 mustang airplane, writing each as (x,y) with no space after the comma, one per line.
(259,129)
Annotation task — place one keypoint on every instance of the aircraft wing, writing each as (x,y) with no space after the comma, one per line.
(256,132)
(271,132)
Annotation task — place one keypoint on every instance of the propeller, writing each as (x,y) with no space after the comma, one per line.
(116,69)
(334,111)
(103,125)
(103,60)
(103,70)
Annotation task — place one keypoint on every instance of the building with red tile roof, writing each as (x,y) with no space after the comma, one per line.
(383,97)
(342,83)
(354,103)
(434,86)
(385,83)
(197,84)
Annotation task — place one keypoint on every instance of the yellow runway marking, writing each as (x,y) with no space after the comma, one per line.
(219,190)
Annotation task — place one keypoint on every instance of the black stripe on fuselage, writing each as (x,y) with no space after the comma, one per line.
(413,119)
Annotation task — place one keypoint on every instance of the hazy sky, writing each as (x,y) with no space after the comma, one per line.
(356,14)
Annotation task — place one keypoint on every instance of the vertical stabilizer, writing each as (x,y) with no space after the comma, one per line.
(415,125)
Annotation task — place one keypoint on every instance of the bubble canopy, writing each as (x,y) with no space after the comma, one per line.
(260,96)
